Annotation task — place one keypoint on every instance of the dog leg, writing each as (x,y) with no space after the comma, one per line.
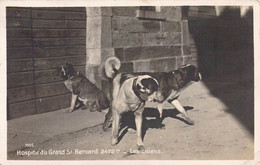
(73,102)
(179,107)
(115,128)
(138,123)
(160,109)
(108,120)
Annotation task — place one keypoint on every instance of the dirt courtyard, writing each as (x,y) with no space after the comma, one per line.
(217,135)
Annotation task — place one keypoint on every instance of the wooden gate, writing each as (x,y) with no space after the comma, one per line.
(38,41)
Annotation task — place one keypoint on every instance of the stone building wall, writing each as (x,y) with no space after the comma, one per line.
(156,41)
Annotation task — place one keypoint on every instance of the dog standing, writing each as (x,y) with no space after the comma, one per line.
(171,84)
(129,94)
(82,90)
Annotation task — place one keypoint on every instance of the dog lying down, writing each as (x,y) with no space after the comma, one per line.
(83,91)
(131,90)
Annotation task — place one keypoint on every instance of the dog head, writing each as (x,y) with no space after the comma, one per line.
(66,71)
(190,73)
(146,86)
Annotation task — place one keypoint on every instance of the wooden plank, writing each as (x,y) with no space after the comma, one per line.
(72,24)
(60,15)
(77,41)
(48,76)
(52,63)
(76,16)
(50,8)
(18,23)
(53,103)
(20,94)
(45,14)
(21,109)
(54,89)
(19,33)
(74,9)
(42,42)
(50,52)
(46,33)
(19,42)
(59,51)
(18,53)
(18,12)
(54,24)
(76,50)
(76,32)
(19,66)
(19,79)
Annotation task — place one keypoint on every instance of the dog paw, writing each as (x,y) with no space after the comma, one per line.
(131,130)
(106,126)
(114,142)
(141,147)
(189,121)
(70,110)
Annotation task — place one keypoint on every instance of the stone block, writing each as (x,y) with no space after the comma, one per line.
(126,67)
(94,26)
(124,11)
(179,62)
(175,50)
(135,53)
(133,39)
(142,66)
(115,23)
(132,24)
(156,39)
(172,26)
(150,15)
(93,56)
(163,65)
(119,53)
(150,52)
(98,11)
(186,33)
(186,50)
(172,13)
(106,36)
(106,52)
(187,60)
(118,39)
(172,38)
(151,26)
(90,72)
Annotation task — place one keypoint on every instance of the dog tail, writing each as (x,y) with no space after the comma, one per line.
(112,65)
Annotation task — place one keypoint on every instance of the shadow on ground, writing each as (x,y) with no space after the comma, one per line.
(226,56)
(128,120)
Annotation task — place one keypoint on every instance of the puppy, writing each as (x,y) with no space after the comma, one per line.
(129,94)
(171,84)
(83,91)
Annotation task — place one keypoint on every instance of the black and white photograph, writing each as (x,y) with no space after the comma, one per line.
(143,82)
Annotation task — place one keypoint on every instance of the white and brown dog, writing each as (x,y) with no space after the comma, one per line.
(129,94)
(83,91)
(170,86)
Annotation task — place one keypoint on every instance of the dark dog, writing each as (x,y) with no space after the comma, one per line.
(170,86)
(129,94)
(82,89)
